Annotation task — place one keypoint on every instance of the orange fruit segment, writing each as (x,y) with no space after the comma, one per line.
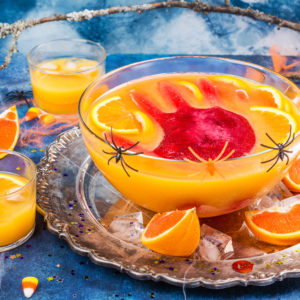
(9,129)
(292,178)
(277,123)
(192,88)
(276,225)
(10,183)
(271,96)
(175,233)
(112,113)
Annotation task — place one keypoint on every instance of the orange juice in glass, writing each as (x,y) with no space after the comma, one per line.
(60,70)
(183,132)
(17,199)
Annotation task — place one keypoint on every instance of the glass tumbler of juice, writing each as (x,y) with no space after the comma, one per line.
(17,199)
(60,70)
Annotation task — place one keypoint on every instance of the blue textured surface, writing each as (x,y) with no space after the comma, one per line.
(76,277)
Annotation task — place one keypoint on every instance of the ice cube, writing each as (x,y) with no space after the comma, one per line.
(214,245)
(49,66)
(71,65)
(128,227)
(274,198)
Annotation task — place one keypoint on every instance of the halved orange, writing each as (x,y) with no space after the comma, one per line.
(175,233)
(113,113)
(292,178)
(276,225)
(9,129)
(276,123)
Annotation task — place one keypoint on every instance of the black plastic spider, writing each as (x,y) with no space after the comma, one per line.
(119,152)
(282,153)
(19,95)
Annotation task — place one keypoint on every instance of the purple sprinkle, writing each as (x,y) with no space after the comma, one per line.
(161,261)
(80,231)
(212,273)
(55,169)
(215,269)
(6,257)
(187,259)
(70,205)
(82,220)
(171,269)
(75,201)
(76,235)
(90,206)
(131,223)
(89,229)
(65,175)
(80,225)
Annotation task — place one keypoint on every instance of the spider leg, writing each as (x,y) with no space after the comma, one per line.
(227,156)
(131,146)
(268,147)
(129,166)
(273,164)
(290,134)
(124,168)
(111,159)
(222,152)
(286,145)
(196,155)
(112,137)
(108,143)
(266,161)
(111,153)
(271,139)
(287,158)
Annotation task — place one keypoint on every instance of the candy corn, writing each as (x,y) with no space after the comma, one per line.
(32,113)
(29,285)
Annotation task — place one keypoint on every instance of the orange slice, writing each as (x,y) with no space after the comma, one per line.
(273,96)
(292,178)
(175,233)
(239,83)
(276,122)
(9,183)
(113,113)
(192,88)
(276,225)
(9,129)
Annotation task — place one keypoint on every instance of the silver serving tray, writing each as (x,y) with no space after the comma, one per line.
(79,203)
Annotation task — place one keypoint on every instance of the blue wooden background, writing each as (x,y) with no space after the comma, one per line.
(128,38)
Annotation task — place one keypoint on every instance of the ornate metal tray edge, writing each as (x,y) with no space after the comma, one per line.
(286,262)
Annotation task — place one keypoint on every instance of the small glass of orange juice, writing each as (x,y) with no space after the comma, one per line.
(17,199)
(60,70)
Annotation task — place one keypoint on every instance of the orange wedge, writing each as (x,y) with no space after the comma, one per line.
(113,113)
(9,129)
(278,122)
(292,178)
(273,96)
(9,183)
(276,225)
(175,233)
(238,83)
(192,88)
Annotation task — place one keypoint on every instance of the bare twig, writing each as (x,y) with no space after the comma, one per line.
(15,29)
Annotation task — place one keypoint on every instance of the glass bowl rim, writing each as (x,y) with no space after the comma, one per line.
(98,45)
(256,66)
(32,165)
